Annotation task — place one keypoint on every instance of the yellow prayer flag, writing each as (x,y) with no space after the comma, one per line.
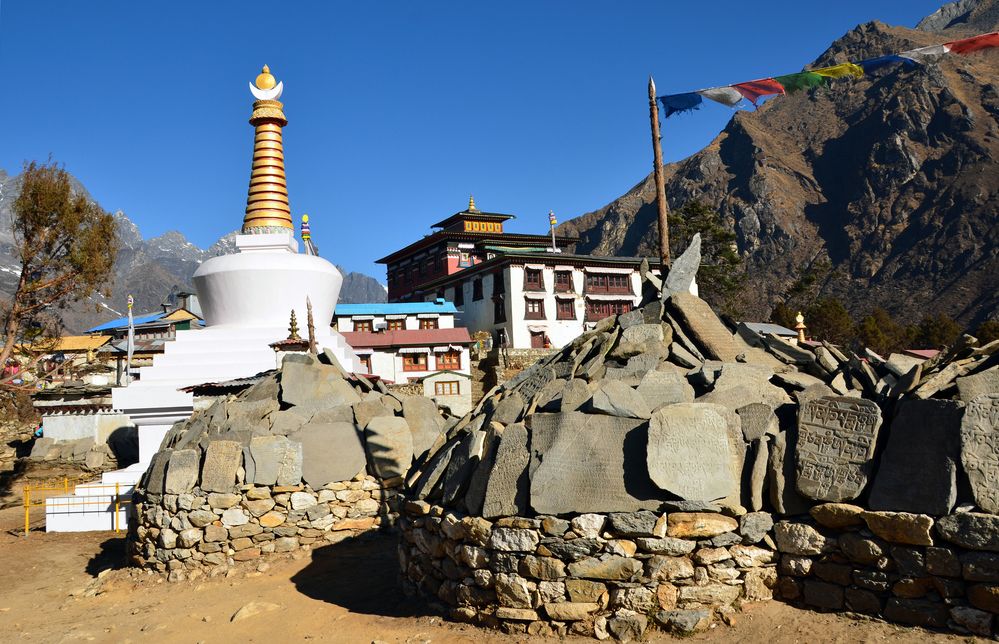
(840,71)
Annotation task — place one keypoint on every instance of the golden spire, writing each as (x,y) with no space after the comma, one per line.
(267,199)
(471,204)
(293,326)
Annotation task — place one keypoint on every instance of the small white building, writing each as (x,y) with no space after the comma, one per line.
(405,342)
(451,389)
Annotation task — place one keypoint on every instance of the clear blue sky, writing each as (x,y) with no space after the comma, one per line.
(397,110)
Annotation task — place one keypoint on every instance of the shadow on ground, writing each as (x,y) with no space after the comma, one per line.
(111,556)
(362,575)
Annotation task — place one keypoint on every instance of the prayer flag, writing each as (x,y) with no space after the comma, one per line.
(754,90)
(725,95)
(968,45)
(802,80)
(925,54)
(840,71)
(883,61)
(679,103)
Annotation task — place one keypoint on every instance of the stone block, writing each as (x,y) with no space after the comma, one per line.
(917,612)
(222,459)
(182,471)
(697,525)
(972,530)
(901,527)
(688,452)
(615,398)
(612,567)
(277,460)
(980,449)
(822,594)
(330,452)
(389,442)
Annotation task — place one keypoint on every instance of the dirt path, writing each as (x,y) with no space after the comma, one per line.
(51,592)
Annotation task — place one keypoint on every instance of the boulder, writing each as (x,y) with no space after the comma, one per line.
(389,442)
(330,452)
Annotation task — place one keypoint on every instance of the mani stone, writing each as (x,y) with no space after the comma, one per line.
(182,472)
(509,409)
(589,463)
(615,398)
(276,460)
(780,475)
(923,446)
(390,445)
(705,327)
(757,419)
(688,453)
(973,386)
(156,474)
(836,440)
(660,388)
(683,271)
(424,422)
(508,488)
(330,452)
(222,459)
(462,464)
(980,450)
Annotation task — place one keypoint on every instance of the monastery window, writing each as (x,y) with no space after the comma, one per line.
(459,294)
(534,310)
(599,309)
(499,285)
(499,309)
(565,309)
(465,259)
(608,283)
(365,363)
(447,388)
(533,280)
(363,326)
(477,289)
(414,362)
(396,325)
(428,323)
(450,360)
(563,281)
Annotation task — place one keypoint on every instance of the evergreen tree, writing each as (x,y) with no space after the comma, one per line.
(721,273)
(935,332)
(987,331)
(828,319)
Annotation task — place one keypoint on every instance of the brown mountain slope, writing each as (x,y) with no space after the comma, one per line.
(888,183)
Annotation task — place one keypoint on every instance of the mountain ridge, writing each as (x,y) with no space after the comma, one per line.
(890,180)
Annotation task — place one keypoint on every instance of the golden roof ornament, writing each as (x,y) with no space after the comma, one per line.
(293,327)
(471,204)
(267,205)
(800,326)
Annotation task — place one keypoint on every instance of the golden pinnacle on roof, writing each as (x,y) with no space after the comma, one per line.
(293,327)
(471,204)
(265,80)
(267,206)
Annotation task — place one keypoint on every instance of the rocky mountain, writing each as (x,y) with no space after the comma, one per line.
(150,269)
(882,191)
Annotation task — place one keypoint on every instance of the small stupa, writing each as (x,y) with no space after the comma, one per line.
(246,298)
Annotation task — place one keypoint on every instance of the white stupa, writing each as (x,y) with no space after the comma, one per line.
(246,298)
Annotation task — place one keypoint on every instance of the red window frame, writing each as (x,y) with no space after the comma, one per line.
(565,309)
(539,309)
(429,323)
(414,362)
(449,361)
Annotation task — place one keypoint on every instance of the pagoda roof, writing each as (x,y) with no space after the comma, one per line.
(495,239)
(478,215)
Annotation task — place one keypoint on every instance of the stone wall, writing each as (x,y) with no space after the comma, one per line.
(589,574)
(619,574)
(906,568)
(199,533)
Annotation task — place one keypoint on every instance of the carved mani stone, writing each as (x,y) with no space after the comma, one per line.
(980,450)
(836,440)
(688,452)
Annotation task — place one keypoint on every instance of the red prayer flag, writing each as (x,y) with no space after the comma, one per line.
(753,90)
(968,45)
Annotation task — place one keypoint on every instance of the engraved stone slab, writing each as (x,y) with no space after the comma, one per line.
(980,450)
(156,474)
(705,327)
(589,463)
(836,441)
(538,377)
(182,472)
(222,459)
(276,460)
(918,471)
(689,454)
(660,388)
(757,419)
(508,487)
(986,382)
(330,452)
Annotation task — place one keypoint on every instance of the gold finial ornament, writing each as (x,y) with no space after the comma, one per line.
(471,204)
(800,326)
(265,80)
(267,205)
(293,327)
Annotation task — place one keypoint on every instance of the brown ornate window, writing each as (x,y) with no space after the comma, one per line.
(363,326)
(533,280)
(414,362)
(396,325)
(449,360)
(365,363)
(608,283)
(599,309)
(428,323)
(565,309)
(534,309)
(563,281)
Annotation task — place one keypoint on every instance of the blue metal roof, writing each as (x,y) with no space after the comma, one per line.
(121,323)
(395,308)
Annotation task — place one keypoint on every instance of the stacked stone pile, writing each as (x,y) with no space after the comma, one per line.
(306,456)
(85,453)
(711,437)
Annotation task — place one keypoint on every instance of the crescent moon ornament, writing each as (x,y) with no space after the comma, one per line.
(267,94)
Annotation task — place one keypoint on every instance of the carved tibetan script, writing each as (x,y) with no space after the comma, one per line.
(980,450)
(836,440)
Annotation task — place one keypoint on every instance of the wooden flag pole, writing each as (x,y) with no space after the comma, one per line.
(657,164)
